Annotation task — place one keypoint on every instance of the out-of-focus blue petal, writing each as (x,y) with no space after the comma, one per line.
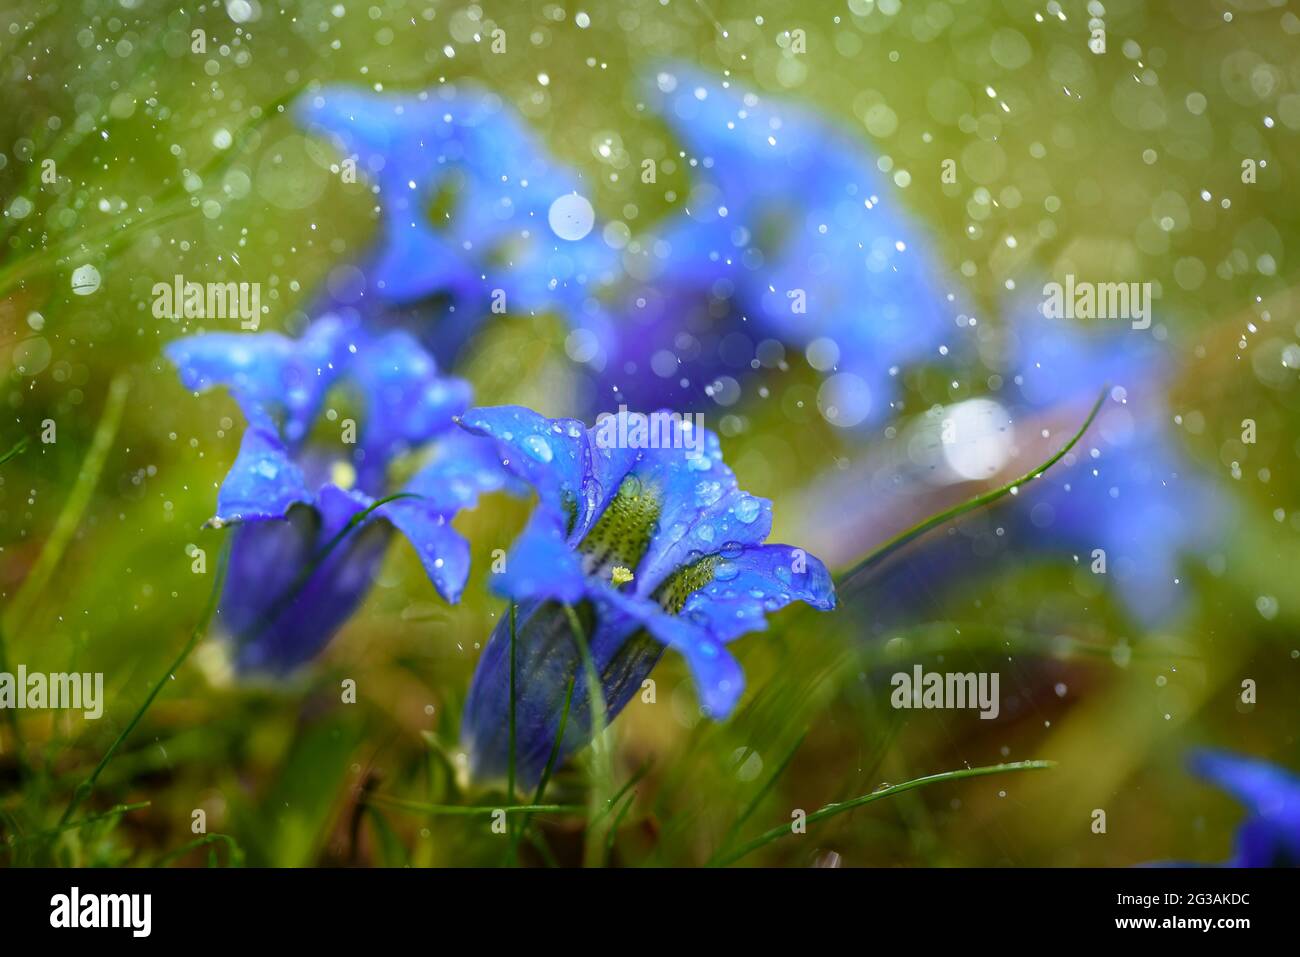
(1126,488)
(789,220)
(277,609)
(460,154)
(406,401)
(263,483)
(1270,837)
(269,374)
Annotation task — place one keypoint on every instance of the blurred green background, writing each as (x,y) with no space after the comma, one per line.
(174,162)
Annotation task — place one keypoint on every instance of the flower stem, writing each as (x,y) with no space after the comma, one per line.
(510,764)
(85,787)
(602,773)
(985,498)
(830,810)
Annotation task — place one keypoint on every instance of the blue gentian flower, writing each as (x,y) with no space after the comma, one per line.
(652,548)
(1127,488)
(1270,836)
(789,233)
(470,204)
(297,482)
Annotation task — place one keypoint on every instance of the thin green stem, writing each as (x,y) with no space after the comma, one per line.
(752,805)
(65,526)
(612,836)
(471,810)
(114,811)
(830,810)
(979,501)
(85,787)
(629,783)
(510,762)
(602,774)
(551,760)
(18,448)
(235,854)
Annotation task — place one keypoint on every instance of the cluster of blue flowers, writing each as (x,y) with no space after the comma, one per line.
(788,236)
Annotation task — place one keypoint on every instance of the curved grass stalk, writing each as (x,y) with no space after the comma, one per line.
(985,498)
(234,853)
(471,810)
(831,810)
(115,811)
(85,787)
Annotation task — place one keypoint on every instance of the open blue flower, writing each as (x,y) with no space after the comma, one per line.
(471,209)
(298,482)
(652,547)
(1270,835)
(789,233)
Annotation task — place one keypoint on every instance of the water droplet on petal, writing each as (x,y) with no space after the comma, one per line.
(538,448)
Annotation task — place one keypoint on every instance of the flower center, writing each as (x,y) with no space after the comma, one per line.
(622,535)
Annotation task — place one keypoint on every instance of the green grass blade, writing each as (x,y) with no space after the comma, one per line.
(551,759)
(979,501)
(602,771)
(18,448)
(85,787)
(471,810)
(115,811)
(234,853)
(831,810)
(65,526)
(513,844)
(757,799)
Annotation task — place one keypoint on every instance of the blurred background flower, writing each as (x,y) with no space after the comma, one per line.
(311,528)
(1270,835)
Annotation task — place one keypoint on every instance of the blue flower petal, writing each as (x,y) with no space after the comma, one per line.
(547,659)
(263,483)
(462,468)
(460,148)
(550,455)
(276,608)
(1270,837)
(542,565)
(269,374)
(701,512)
(442,550)
(791,225)
(753,582)
(719,680)
(406,401)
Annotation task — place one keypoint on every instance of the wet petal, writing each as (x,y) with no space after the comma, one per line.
(263,483)
(270,375)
